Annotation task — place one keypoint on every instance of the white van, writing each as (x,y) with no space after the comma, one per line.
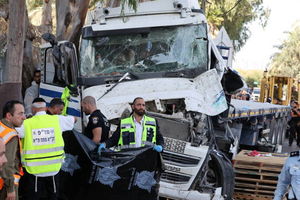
(255,94)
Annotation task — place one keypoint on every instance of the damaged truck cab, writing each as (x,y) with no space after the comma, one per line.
(163,53)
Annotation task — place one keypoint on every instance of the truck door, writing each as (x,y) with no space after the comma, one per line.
(60,74)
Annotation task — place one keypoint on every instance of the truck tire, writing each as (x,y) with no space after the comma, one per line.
(221,174)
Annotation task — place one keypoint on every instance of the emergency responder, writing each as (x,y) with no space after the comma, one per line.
(3,158)
(43,150)
(136,131)
(289,176)
(13,116)
(56,106)
(98,126)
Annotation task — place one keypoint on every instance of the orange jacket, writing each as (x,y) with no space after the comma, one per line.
(7,133)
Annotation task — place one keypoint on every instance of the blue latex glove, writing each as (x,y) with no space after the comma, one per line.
(158,148)
(101,147)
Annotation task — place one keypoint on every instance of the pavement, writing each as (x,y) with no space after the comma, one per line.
(287,149)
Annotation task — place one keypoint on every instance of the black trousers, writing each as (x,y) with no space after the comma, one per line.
(39,188)
(294,132)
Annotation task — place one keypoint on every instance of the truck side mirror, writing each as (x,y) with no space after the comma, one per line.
(48,37)
(232,82)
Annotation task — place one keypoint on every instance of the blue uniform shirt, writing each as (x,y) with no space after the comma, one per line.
(289,176)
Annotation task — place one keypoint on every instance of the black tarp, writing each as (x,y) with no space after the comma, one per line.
(131,174)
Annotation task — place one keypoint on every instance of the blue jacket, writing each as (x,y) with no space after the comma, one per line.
(289,176)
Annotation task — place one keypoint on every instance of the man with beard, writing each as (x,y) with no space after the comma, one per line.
(136,130)
(32,92)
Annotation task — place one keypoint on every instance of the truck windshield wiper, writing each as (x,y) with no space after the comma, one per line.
(127,75)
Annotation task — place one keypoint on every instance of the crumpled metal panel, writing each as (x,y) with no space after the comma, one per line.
(203,94)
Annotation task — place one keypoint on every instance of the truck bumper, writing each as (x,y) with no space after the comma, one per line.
(183,194)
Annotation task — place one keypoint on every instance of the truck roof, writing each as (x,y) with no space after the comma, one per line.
(243,109)
(148,14)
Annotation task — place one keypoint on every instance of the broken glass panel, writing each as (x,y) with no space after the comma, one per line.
(166,49)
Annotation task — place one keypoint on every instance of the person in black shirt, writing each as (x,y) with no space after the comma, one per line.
(98,126)
(294,124)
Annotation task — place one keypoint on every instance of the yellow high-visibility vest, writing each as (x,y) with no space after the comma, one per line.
(43,145)
(127,132)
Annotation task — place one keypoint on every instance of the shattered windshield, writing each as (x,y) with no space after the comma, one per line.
(165,49)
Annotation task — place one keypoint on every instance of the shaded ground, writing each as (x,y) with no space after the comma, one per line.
(287,149)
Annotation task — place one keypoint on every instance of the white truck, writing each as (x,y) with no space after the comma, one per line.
(163,53)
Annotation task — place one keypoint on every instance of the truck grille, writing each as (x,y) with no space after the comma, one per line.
(174,177)
(179,159)
(174,145)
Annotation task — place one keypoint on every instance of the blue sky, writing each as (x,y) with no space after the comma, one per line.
(258,49)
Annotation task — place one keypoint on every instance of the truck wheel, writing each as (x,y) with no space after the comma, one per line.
(221,174)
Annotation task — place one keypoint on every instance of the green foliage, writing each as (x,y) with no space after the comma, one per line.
(251,76)
(235,15)
(3,2)
(132,3)
(251,82)
(32,4)
(286,62)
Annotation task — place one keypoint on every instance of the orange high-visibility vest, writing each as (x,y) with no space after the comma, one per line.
(7,134)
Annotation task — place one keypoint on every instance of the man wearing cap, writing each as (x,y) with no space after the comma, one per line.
(43,150)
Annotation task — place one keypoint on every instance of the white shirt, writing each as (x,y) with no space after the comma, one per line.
(66,123)
(138,132)
(30,94)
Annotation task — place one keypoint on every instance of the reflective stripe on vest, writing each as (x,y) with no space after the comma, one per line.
(38,151)
(7,134)
(43,145)
(17,179)
(46,162)
(127,132)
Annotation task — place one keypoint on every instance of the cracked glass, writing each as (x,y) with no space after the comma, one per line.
(166,49)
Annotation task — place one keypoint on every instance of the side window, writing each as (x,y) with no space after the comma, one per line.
(61,65)
(213,61)
(49,69)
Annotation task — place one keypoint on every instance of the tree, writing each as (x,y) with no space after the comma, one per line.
(235,15)
(12,79)
(286,62)
(46,25)
(252,77)
(70,17)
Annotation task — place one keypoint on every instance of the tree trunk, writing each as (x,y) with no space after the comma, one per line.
(203,6)
(70,15)
(46,25)
(29,65)
(12,78)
